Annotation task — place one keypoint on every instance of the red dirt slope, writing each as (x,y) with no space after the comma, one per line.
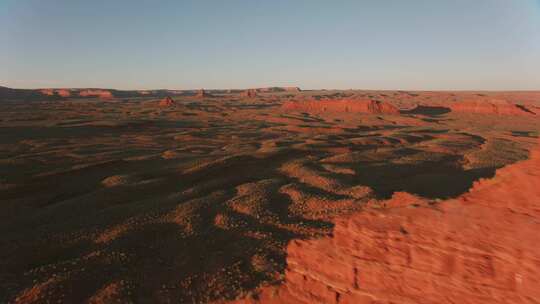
(342,105)
(479,248)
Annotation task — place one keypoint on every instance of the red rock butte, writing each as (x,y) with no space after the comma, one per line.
(103,94)
(491,106)
(367,106)
(59,92)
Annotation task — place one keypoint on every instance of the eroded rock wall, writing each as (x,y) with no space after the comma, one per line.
(479,248)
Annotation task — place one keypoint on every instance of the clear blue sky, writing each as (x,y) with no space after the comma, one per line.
(378,44)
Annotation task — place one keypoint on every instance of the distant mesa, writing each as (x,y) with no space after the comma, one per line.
(48,92)
(353,105)
(99,93)
(203,94)
(63,92)
(24,94)
(167,102)
(56,92)
(104,94)
(107,94)
(522,104)
(490,106)
(278,89)
(292,89)
(480,105)
(250,93)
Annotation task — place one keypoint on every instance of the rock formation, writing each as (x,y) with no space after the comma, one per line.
(278,89)
(24,94)
(367,106)
(292,89)
(202,94)
(104,94)
(249,93)
(48,92)
(479,248)
(63,92)
(56,92)
(489,106)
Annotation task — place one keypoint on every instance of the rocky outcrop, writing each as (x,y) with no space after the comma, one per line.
(489,106)
(367,106)
(479,248)
(484,105)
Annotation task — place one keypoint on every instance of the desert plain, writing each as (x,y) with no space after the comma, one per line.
(275,195)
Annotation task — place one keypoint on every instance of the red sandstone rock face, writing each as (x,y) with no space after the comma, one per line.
(342,105)
(96,93)
(166,102)
(489,106)
(479,248)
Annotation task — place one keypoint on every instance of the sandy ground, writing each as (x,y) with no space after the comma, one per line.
(195,199)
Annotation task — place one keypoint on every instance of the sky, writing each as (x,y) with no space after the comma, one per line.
(377,44)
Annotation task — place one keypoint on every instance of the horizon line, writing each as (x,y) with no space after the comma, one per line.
(274,86)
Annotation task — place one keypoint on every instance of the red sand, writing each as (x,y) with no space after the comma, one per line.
(479,248)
